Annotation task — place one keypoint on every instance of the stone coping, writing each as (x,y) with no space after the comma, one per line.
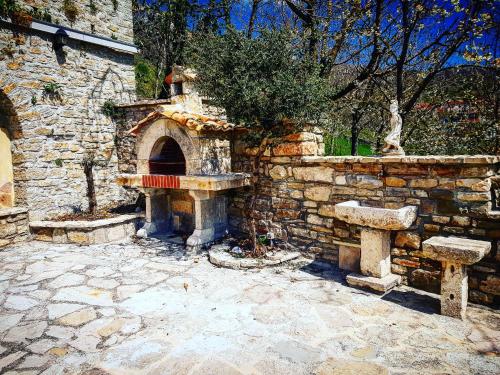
(190,182)
(411,159)
(13,211)
(144,103)
(218,256)
(82,224)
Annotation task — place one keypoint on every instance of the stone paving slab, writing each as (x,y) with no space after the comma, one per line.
(144,308)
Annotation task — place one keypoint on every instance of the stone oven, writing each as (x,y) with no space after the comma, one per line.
(184,170)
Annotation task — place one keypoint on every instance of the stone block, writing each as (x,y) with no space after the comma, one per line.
(375,252)
(295,149)
(408,239)
(317,193)
(349,258)
(319,174)
(278,172)
(395,182)
(327,210)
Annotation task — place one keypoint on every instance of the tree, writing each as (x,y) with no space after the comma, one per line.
(262,82)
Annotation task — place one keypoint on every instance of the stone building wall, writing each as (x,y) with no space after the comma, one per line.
(14,226)
(296,197)
(52,132)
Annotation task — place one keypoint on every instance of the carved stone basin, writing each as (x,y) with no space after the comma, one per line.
(379,218)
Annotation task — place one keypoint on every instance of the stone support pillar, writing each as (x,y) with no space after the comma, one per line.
(375,262)
(375,252)
(454,290)
(210,219)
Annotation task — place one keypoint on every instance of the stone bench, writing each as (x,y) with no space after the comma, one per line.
(455,254)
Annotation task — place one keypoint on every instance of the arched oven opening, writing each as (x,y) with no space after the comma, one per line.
(167,158)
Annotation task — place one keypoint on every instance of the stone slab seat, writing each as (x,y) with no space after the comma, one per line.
(455,249)
(455,254)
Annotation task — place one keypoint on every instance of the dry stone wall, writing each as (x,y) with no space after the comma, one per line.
(14,226)
(296,197)
(51,105)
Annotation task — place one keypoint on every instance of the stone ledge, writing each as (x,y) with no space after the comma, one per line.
(83,224)
(87,232)
(415,159)
(13,211)
(221,258)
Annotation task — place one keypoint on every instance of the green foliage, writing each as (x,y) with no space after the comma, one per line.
(7,7)
(145,78)
(51,88)
(341,146)
(115,5)
(114,37)
(58,162)
(41,14)
(259,81)
(34,99)
(111,110)
(70,10)
(93,8)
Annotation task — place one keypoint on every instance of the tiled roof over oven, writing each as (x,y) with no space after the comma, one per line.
(192,121)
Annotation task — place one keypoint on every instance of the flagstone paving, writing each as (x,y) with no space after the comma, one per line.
(143,308)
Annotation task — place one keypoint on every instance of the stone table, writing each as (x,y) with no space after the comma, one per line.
(455,254)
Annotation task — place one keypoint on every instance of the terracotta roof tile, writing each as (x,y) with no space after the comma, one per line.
(192,121)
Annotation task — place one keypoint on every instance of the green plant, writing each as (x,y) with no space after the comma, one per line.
(51,88)
(70,9)
(7,7)
(39,14)
(8,50)
(113,36)
(92,7)
(115,5)
(34,99)
(58,162)
(111,110)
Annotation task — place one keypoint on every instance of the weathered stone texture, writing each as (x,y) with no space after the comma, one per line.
(13,226)
(451,193)
(52,132)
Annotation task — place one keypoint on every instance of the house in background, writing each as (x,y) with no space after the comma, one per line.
(54,80)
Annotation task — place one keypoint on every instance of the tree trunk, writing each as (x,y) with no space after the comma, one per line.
(356,117)
(88,167)
(253,16)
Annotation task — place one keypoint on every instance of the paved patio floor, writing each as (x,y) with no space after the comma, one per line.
(143,309)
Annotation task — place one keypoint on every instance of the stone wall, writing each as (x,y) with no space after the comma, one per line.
(52,132)
(14,226)
(296,197)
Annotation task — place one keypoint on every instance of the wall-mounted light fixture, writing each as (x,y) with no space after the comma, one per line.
(60,39)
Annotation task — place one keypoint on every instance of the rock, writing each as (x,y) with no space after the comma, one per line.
(319,174)
(327,210)
(364,181)
(334,366)
(25,331)
(33,361)
(9,321)
(278,172)
(295,149)
(41,346)
(60,332)
(85,295)
(11,358)
(408,239)
(60,309)
(395,182)
(79,317)
(20,303)
(317,193)
(103,283)
(67,279)
(86,343)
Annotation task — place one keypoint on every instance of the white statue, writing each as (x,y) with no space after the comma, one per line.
(393,139)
